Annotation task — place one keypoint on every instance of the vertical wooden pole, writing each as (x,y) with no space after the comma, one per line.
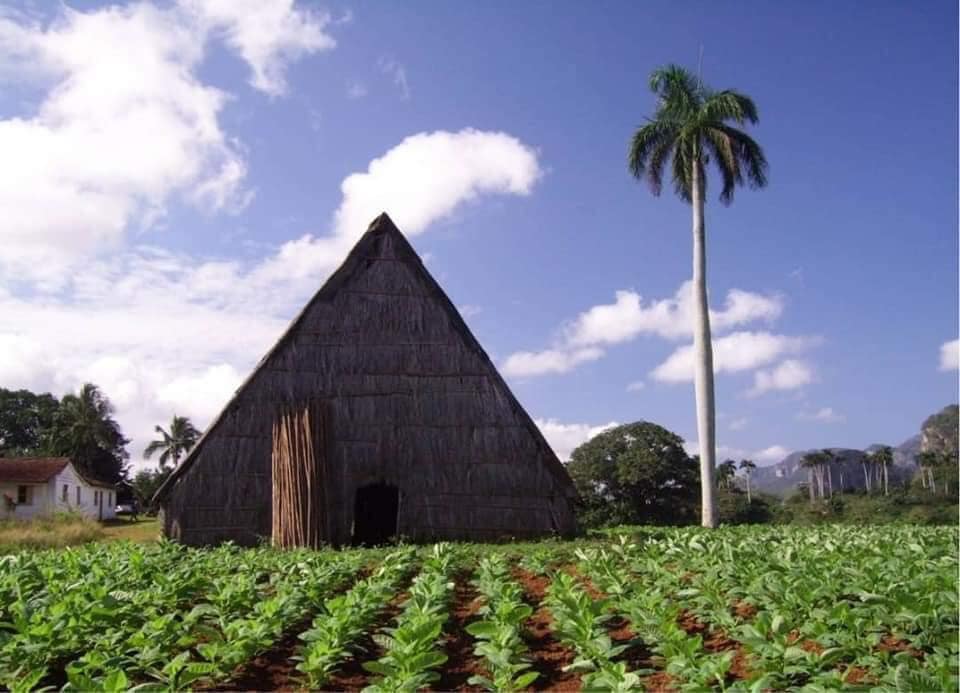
(299,478)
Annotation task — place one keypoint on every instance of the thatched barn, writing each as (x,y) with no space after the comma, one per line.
(376,414)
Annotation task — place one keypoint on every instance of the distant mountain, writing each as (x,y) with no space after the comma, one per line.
(939,432)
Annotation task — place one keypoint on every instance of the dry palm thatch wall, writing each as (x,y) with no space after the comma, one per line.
(410,399)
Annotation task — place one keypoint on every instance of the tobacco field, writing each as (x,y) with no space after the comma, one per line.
(663,609)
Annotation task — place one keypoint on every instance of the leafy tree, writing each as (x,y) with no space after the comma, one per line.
(146,482)
(692,128)
(25,422)
(748,466)
(173,443)
(637,473)
(84,430)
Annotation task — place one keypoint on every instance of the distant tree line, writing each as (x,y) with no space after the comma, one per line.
(81,426)
(78,425)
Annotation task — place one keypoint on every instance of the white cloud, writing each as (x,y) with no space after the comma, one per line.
(672,318)
(527,363)
(636,386)
(267,34)
(565,438)
(736,352)
(789,375)
(92,162)
(468,310)
(739,424)
(428,175)
(950,355)
(824,414)
(774,453)
(202,395)
(628,317)
(397,73)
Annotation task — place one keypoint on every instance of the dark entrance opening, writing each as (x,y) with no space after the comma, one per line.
(375,514)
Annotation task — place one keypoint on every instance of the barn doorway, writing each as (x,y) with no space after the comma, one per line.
(375,514)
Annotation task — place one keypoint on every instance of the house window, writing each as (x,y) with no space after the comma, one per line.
(78,495)
(24,497)
(63,494)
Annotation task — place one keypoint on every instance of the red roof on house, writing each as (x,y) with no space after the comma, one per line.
(39,470)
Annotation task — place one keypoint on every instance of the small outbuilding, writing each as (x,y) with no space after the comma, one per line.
(41,486)
(376,414)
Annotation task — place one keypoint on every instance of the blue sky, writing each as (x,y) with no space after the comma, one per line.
(176,172)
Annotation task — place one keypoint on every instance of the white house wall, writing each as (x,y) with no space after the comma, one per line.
(86,506)
(39,505)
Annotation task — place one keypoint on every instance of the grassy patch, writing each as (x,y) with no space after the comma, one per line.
(48,532)
(145,529)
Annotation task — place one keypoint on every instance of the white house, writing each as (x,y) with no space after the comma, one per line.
(35,486)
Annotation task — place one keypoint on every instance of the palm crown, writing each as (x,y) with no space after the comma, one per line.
(181,437)
(691,124)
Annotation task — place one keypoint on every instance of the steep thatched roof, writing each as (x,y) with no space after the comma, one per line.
(354,261)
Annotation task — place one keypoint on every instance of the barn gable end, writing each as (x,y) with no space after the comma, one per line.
(410,400)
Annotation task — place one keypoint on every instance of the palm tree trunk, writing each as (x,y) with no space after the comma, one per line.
(841,482)
(748,489)
(933,484)
(830,480)
(866,478)
(886,480)
(703,349)
(810,485)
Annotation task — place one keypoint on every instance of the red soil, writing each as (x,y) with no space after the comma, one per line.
(744,611)
(716,640)
(547,654)
(892,644)
(461,663)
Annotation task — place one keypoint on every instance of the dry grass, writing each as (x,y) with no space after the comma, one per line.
(48,532)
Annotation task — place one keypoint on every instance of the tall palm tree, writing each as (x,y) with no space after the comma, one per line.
(748,466)
(927,460)
(884,458)
(171,445)
(84,430)
(691,126)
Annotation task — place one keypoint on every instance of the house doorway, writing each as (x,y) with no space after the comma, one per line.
(375,514)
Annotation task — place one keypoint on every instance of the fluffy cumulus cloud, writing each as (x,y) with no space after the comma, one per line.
(428,175)
(789,375)
(671,318)
(564,438)
(531,363)
(733,353)
(772,454)
(89,164)
(629,317)
(950,355)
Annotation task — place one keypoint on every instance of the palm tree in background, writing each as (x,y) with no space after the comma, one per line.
(84,430)
(173,443)
(748,466)
(691,128)
(725,474)
(927,460)
(884,457)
